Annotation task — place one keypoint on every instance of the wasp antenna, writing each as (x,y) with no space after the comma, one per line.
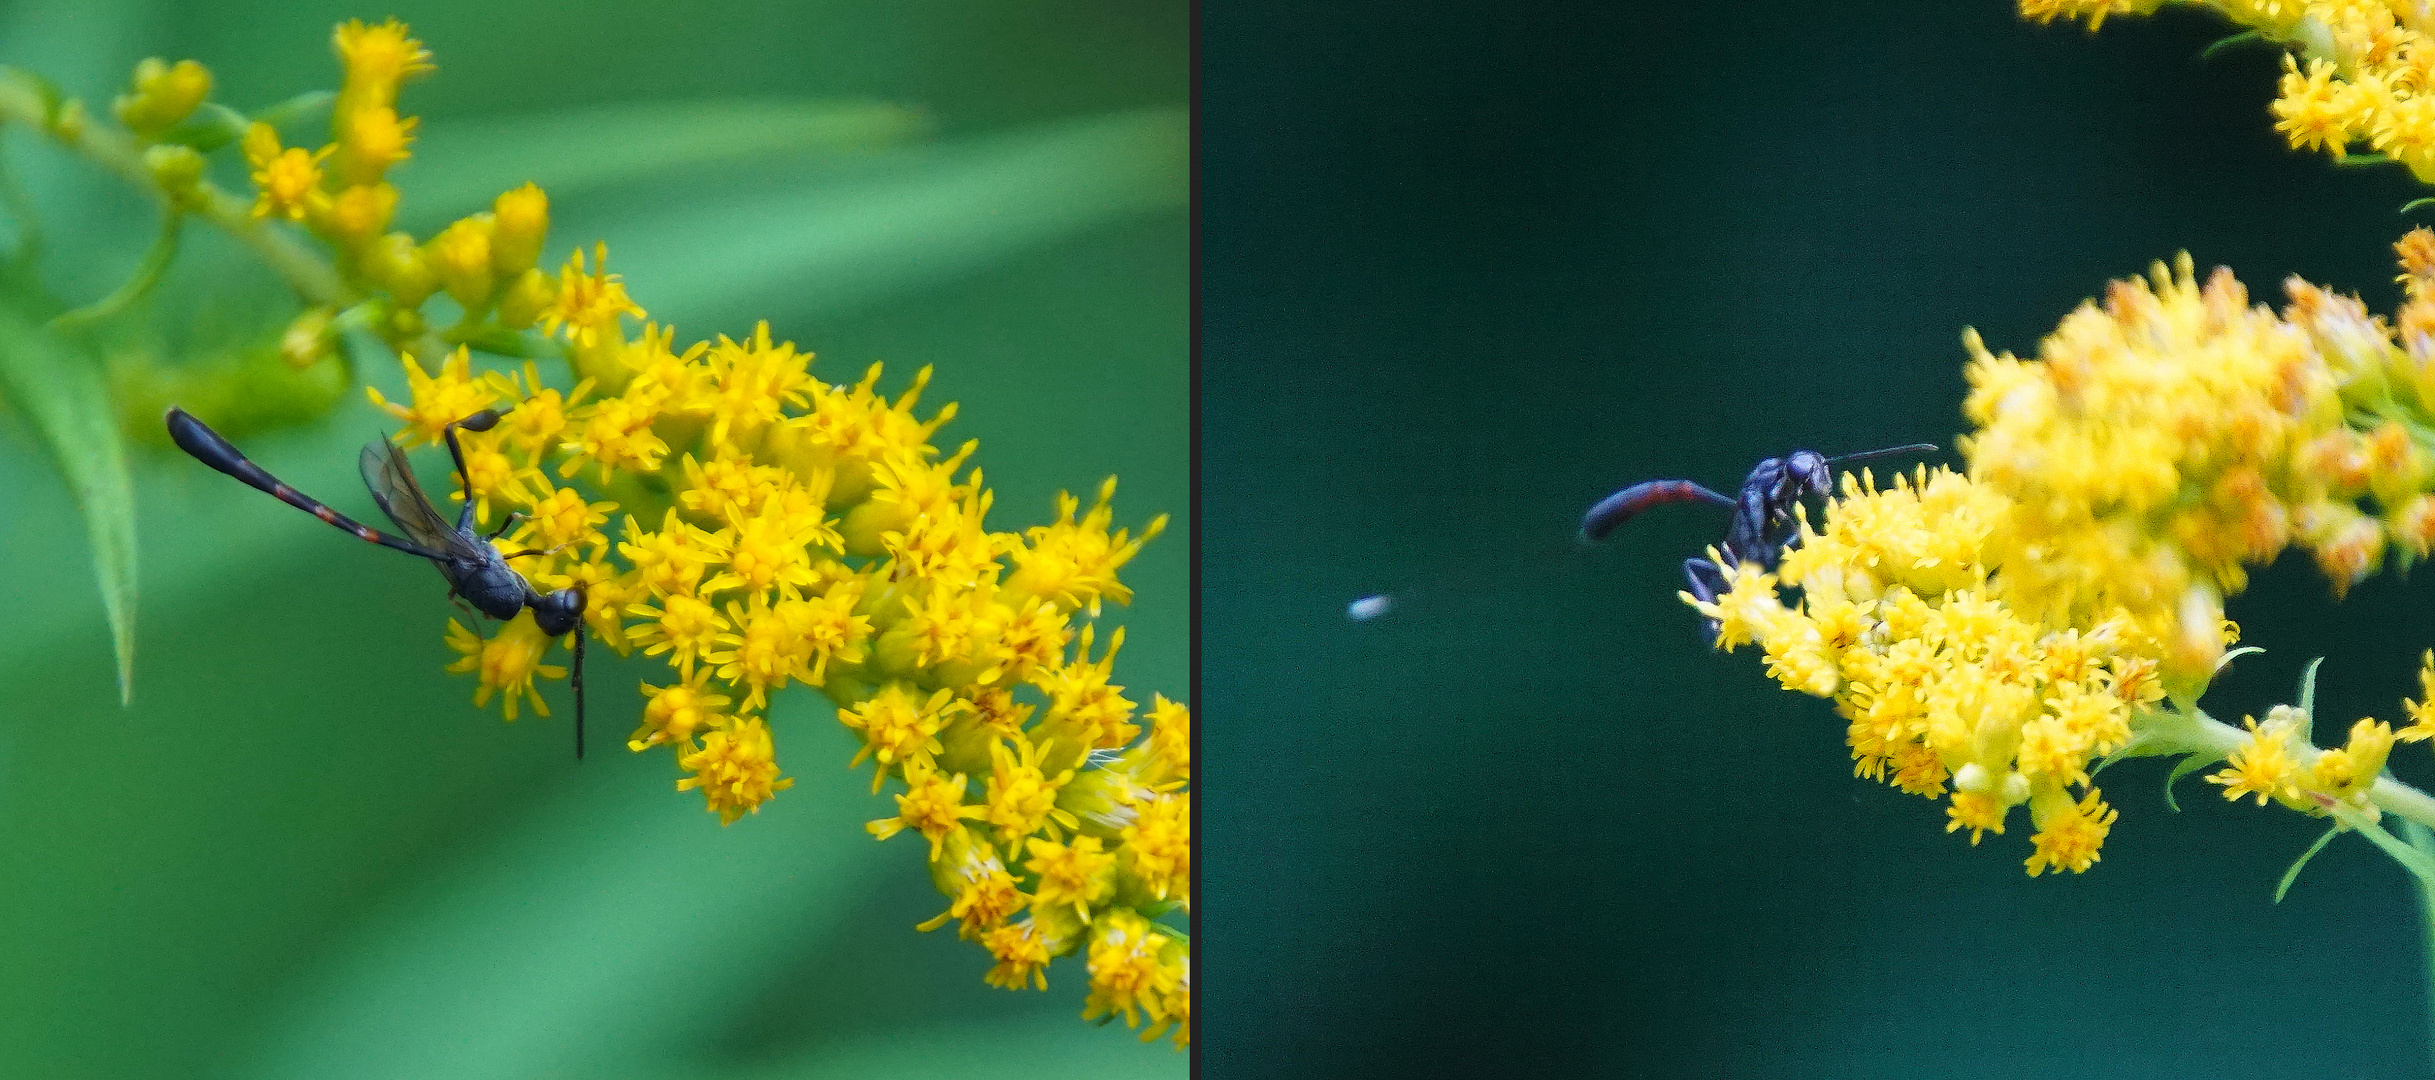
(578,673)
(1891,451)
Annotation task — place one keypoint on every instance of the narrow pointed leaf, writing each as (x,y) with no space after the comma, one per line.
(2293,874)
(2183,768)
(2221,44)
(461,166)
(60,386)
(2411,859)
(292,114)
(917,219)
(212,126)
(2308,701)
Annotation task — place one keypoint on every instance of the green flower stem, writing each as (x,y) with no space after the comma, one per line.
(147,274)
(23,101)
(2423,839)
(119,152)
(29,226)
(2169,731)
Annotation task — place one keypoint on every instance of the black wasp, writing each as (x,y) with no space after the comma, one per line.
(475,570)
(1766,514)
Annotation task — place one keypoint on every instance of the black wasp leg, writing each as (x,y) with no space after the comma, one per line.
(481,421)
(513,516)
(1706,578)
(1707,583)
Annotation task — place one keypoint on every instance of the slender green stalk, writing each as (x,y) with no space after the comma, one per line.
(21,207)
(2195,732)
(317,282)
(147,273)
(2423,839)
(118,152)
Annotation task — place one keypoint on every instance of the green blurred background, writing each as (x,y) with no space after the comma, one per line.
(303,852)
(1468,267)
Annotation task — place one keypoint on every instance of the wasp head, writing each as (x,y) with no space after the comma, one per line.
(560,611)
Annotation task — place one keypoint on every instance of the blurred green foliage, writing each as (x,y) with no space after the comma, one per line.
(302,851)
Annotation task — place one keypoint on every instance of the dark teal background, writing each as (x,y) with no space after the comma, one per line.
(1468,267)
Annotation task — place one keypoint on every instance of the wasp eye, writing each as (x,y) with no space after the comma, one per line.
(559,612)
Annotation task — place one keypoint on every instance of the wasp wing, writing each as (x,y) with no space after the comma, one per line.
(393,488)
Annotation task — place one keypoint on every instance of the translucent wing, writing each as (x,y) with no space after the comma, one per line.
(392,483)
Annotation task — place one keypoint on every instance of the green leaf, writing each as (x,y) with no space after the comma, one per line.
(148,273)
(304,108)
(2308,701)
(2414,204)
(912,221)
(60,386)
(2308,687)
(2293,874)
(2226,660)
(2235,40)
(2411,859)
(463,165)
(210,127)
(2183,768)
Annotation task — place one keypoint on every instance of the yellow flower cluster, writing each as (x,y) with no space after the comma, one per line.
(2364,73)
(2174,435)
(2277,761)
(773,528)
(487,263)
(1943,682)
(2004,630)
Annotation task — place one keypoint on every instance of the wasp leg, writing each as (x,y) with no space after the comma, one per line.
(481,421)
(513,516)
(1707,583)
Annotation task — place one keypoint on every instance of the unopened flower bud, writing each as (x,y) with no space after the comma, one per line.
(525,297)
(177,169)
(359,214)
(522,221)
(308,338)
(397,264)
(162,95)
(460,255)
